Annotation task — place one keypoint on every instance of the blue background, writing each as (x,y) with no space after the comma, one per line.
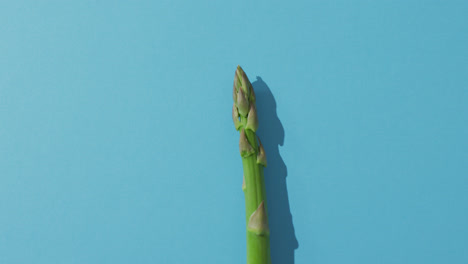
(117,145)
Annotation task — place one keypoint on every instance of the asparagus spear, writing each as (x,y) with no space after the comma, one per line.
(244,115)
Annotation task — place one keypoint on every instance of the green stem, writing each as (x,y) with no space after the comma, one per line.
(258,245)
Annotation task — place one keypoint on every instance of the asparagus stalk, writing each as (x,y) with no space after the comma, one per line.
(244,115)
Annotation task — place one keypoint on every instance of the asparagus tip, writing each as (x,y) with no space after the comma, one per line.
(242,103)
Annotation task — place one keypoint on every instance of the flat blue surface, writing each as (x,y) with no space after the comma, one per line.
(117,145)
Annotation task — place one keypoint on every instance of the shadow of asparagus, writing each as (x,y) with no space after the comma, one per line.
(283,241)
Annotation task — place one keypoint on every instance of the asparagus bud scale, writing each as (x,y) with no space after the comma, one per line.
(244,115)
